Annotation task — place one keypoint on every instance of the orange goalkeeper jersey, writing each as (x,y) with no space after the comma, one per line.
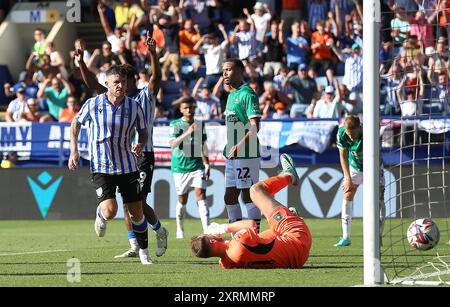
(285,245)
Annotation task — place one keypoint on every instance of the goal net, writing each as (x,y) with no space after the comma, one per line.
(415,126)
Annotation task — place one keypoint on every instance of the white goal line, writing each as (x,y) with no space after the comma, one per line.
(35,252)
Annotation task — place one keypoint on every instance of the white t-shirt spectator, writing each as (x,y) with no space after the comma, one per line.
(214,57)
(114,41)
(17,107)
(246,44)
(206,108)
(411,108)
(323,109)
(260,25)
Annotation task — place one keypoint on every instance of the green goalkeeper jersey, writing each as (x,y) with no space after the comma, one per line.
(355,149)
(242,105)
(187,157)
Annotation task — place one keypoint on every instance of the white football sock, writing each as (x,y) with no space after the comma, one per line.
(180,213)
(203,210)
(134,245)
(346,214)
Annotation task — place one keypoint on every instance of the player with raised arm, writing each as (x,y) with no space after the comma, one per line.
(350,144)
(242,117)
(113,119)
(190,163)
(147,99)
(285,245)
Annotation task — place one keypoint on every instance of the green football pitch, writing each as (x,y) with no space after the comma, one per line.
(36,253)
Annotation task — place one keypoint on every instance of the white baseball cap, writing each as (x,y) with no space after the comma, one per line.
(329,89)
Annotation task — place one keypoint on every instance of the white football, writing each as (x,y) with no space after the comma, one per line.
(423,234)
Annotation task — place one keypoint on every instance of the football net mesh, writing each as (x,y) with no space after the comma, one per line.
(416,149)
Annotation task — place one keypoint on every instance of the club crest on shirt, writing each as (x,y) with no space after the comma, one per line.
(277,217)
(236,100)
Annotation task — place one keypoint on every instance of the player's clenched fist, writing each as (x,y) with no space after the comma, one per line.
(73,160)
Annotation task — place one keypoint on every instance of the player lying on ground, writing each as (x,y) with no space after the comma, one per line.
(285,245)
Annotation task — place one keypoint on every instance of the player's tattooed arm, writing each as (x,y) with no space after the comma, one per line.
(75,128)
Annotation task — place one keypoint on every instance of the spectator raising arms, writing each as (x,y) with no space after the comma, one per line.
(245,38)
(305,90)
(207,105)
(274,41)
(56,95)
(321,42)
(189,37)
(214,54)
(297,48)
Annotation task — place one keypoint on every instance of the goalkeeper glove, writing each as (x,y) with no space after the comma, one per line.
(217,229)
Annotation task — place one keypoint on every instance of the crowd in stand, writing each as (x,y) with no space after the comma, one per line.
(302,57)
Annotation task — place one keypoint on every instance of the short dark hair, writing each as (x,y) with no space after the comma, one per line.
(200,246)
(40,30)
(236,62)
(116,70)
(187,100)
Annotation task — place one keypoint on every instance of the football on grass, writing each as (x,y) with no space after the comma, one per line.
(423,234)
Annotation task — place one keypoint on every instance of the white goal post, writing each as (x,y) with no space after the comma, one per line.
(371,149)
(421,165)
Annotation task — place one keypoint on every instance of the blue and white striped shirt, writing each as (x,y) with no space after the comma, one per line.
(147,101)
(110,131)
(317,11)
(353,75)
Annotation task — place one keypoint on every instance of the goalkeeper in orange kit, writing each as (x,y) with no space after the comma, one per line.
(285,245)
